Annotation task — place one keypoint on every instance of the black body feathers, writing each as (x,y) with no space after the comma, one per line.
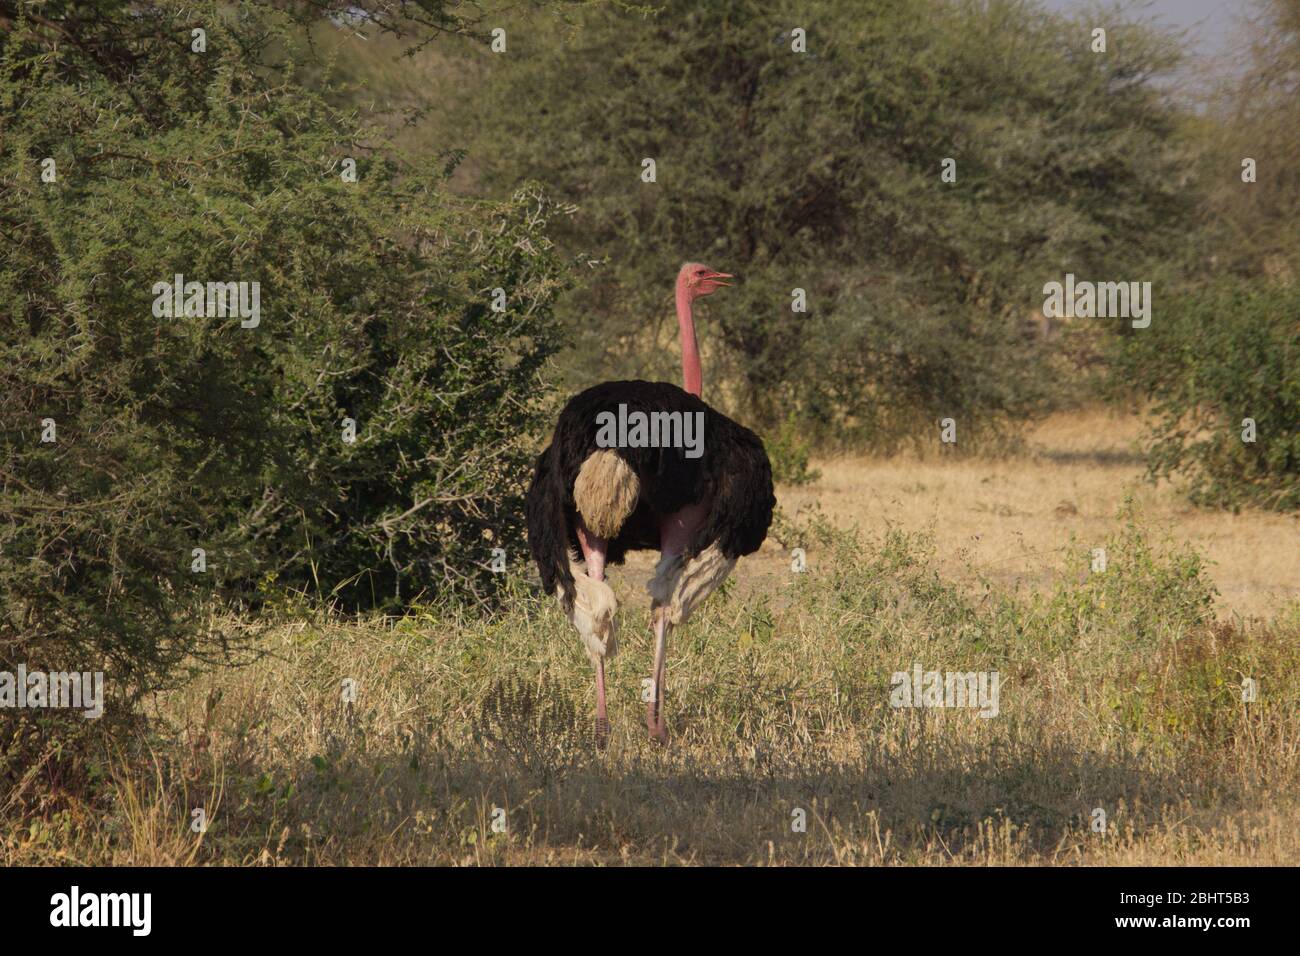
(732,476)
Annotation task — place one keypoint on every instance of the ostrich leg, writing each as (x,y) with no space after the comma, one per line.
(593,553)
(602,721)
(654,715)
(675,531)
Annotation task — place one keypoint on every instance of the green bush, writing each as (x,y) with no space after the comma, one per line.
(1213,357)
(789,453)
(1147,589)
(197,432)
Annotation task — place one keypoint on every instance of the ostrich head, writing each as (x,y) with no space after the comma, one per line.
(698,280)
(694,280)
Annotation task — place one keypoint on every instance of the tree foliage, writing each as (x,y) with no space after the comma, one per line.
(1224,345)
(821,171)
(1221,354)
(177,433)
(1257,116)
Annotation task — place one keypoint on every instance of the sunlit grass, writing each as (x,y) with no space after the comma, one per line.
(1121,691)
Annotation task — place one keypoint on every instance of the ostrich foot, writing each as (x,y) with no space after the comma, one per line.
(654,723)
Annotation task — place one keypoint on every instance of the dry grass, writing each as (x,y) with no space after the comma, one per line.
(1121,692)
(1010,518)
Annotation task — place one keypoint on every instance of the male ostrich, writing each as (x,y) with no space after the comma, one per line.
(701,513)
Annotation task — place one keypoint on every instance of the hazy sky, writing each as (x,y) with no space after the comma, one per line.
(1209,21)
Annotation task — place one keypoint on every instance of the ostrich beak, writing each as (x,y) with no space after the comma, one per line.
(718,277)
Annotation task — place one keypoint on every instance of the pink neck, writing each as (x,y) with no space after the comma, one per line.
(692,378)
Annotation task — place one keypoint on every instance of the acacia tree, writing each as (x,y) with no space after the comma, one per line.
(814,160)
(133,149)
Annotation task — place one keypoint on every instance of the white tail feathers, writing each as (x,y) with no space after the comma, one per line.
(679,586)
(606,492)
(593,614)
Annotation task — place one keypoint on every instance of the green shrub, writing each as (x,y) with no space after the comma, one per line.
(789,453)
(1135,594)
(177,433)
(1213,357)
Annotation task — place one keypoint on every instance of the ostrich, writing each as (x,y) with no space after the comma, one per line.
(701,508)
